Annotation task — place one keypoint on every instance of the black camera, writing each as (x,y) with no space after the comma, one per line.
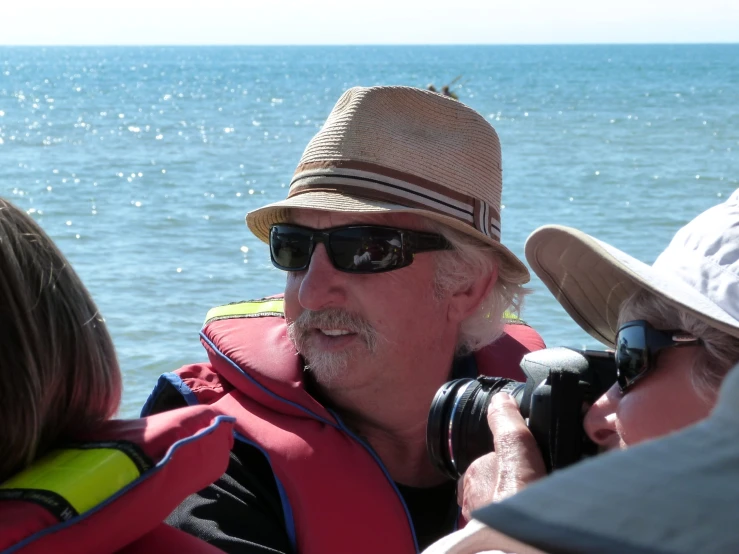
(560,385)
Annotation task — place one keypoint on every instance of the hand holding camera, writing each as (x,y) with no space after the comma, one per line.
(515,462)
(537,429)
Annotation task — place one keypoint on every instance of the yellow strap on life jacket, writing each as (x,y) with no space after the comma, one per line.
(250,308)
(73,479)
(275,307)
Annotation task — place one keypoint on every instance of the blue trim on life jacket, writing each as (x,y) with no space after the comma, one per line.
(147,475)
(287,510)
(339,425)
(263,388)
(377,459)
(169,379)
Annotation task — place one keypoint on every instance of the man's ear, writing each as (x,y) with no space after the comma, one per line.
(464,302)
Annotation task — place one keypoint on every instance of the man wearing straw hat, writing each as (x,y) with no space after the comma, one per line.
(396,282)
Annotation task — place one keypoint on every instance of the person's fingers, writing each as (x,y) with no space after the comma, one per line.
(519,461)
(478,484)
(509,429)
(515,462)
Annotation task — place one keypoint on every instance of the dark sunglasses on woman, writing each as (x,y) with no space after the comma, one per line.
(352,248)
(637,345)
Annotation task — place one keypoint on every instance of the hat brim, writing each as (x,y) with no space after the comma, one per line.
(260,220)
(592,280)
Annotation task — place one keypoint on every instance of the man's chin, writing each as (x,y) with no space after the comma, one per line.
(327,367)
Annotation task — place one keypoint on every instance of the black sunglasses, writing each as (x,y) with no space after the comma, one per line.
(352,249)
(637,345)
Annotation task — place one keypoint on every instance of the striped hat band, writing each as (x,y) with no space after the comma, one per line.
(389,185)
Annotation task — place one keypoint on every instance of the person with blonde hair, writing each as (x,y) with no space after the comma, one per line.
(71,479)
(59,369)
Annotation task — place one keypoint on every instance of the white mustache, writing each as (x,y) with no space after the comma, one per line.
(331,318)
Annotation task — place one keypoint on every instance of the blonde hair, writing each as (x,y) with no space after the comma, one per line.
(470,260)
(720,350)
(58,366)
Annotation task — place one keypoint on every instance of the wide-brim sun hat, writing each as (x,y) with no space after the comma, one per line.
(676,494)
(698,272)
(401,150)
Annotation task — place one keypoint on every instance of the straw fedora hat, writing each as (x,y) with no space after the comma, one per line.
(401,149)
(698,272)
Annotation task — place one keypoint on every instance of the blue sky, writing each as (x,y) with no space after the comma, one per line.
(370,22)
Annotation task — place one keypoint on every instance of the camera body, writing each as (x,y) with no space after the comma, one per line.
(560,385)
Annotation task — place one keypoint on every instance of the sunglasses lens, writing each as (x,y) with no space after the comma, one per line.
(289,247)
(367,249)
(631,354)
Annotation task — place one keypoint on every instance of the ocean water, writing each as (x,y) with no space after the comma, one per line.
(142,162)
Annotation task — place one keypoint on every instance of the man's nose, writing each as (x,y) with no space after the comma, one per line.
(322,285)
(600,420)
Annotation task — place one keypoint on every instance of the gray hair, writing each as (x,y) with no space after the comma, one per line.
(720,350)
(470,260)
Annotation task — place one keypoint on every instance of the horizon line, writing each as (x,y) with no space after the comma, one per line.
(309,45)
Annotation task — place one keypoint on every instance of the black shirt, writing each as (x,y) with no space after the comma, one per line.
(242,511)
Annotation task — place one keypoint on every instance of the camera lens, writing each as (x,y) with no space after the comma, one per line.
(457,432)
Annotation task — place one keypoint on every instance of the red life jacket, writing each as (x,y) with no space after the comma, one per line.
(112,491)
(336,494)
